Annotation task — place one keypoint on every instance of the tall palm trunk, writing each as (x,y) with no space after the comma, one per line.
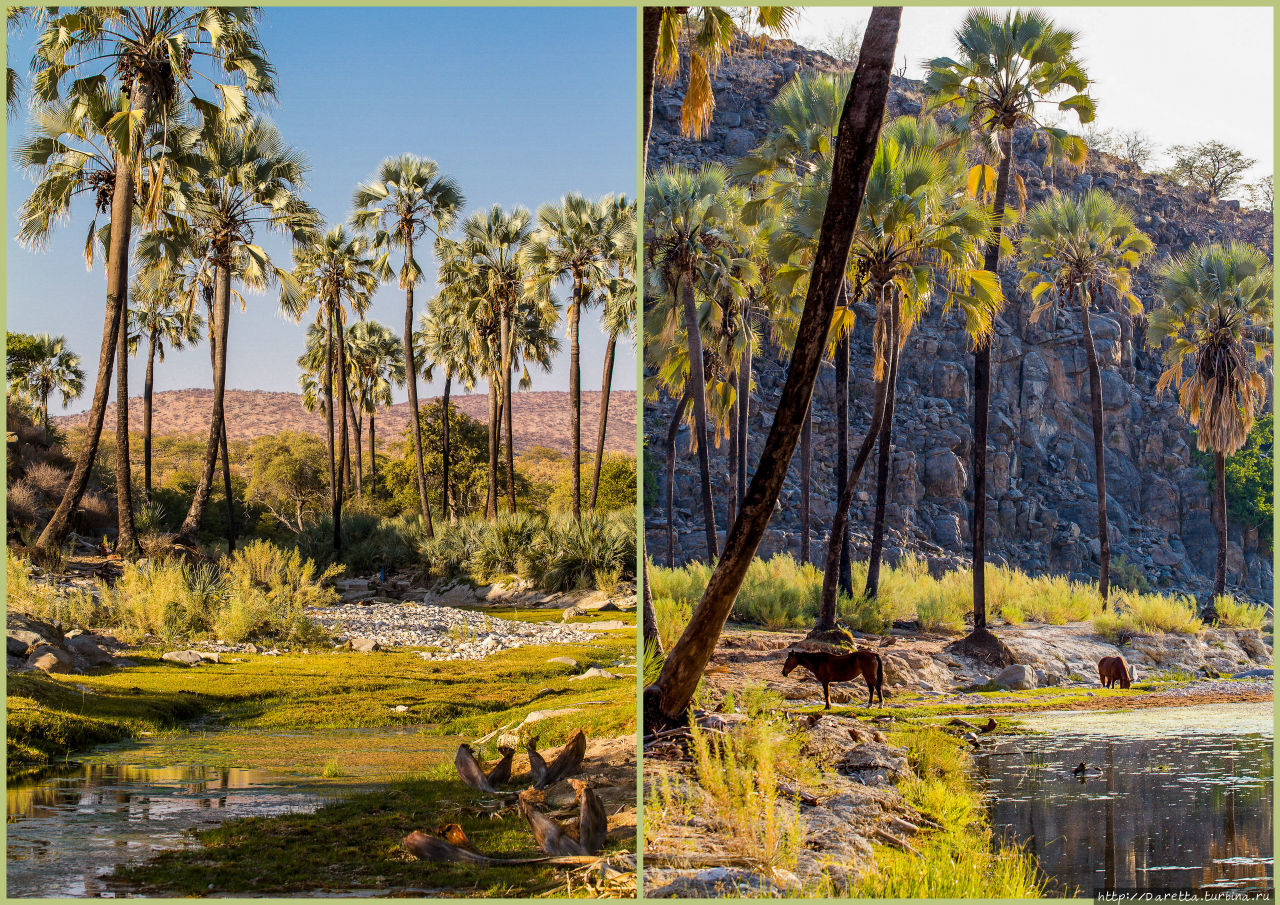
(855,147)
(672,430)
(218,337)
(117,265)
(373,453)
(842,454)
(340,346)
(651,22)
(744,420)
(148,394)
(226,488)
(806,477)
(882,474)
(982,405)
(450,512)
(731,498)
(357,428)
(830,581)
(491,500)
(335,484)
(507,357)
(411,375)
(44,409)
(649,615)
(1220,576)
(575,394)
(1099,453)
(698,389)
(605,388)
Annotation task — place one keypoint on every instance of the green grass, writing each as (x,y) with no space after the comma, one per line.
(1149,613)
(1240,614)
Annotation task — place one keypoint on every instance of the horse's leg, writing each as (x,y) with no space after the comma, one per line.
(871,687)
(826,694)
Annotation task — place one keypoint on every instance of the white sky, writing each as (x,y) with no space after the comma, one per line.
(1180,74)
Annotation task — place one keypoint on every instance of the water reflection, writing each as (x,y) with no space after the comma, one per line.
(1173,804)
(69,828)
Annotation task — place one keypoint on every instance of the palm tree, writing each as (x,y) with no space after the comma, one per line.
(144,55)
(338,272)
(574,242)
(619,312)
(314,362)
(683,212)
(855,149)
(1216,317)
(377,363)
(1083,246)
(1009,64)
(242,178)
(51,368)
(408,199)
(444,341)
(157,316)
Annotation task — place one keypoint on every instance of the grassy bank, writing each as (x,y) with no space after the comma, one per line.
(781,593)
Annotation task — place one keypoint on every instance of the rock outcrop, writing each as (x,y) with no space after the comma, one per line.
(1041,508)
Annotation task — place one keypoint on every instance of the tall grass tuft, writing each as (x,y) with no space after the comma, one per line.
(1148,613)
(1239,613)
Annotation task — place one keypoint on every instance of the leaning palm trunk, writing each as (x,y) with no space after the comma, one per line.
(411,381)
(698,389)
(218,337)
(575,395)
(854,151)
(806,477)
(830,580)
(1220,576)
(450,512)
(1099,453)
(59,524)
(605,389)
(148,394)
(671,475)
(507,414)
(882,473)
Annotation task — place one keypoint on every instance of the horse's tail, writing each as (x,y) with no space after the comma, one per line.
(879,673)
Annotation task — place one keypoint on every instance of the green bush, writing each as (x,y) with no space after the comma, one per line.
(1148,613)
(1239,613)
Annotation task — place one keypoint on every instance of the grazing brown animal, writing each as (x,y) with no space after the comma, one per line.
(1112,670)
(454,834)
(567,761)
(551,838)
(593,823)
(501,771)
(537,765)
(828,668)
(469,769)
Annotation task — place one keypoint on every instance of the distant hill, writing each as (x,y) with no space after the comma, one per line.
(538,418)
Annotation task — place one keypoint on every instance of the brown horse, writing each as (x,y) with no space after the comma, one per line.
(1112,670)
(828,668)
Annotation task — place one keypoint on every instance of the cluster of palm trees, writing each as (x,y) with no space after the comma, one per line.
(117,117)
(733,256)
(43,366)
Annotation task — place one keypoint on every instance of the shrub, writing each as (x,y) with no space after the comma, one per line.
(49,480)
(1146,613)
(1239,613)
(65,608)
(569,554)
(503,548)
(23,503)
(1128,576)
(672,617)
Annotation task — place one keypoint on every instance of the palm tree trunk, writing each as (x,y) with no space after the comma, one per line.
(981,408)
(744,419)
(842,453)
(882,474)
(340,346)
(1099,453)
(55,531)
(450,512)
(226,488)
(218,338)
(806,477)
(373,454)
(148,394)
(335,485)
(1220,576)
(357,427)
(44,409)
(672,430)
(126,533)
(731,498)
(605,389)
(860,121)
(411,381)
(698,388)
(491,500)
(652,21)
(575,395)
(650,616)
(830,579)
(507,414)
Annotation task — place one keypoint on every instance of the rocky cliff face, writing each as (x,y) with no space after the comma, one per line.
(1042,507)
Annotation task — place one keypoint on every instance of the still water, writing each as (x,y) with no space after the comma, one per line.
(69,827)
(1174,797)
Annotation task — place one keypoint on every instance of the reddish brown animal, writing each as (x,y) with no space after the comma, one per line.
(828,668)
(1112,670)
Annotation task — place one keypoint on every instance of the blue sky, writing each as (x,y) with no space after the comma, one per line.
(520,105)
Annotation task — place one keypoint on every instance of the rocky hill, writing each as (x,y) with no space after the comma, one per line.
(538,418)
(1042,497)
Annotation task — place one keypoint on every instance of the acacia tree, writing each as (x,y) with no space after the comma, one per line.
(1215,324)
(1009,66)
(855,148)
(149,56)
(407,200)
(1084,246)
(1212,167)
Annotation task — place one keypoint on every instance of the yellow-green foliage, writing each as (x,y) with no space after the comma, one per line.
(61,606)
(673,616)
(268,590)
(1148,613)
(777,592)
(1017,597)
(1239,613)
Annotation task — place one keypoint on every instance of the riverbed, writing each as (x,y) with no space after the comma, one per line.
(1169,798)
(69,827)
